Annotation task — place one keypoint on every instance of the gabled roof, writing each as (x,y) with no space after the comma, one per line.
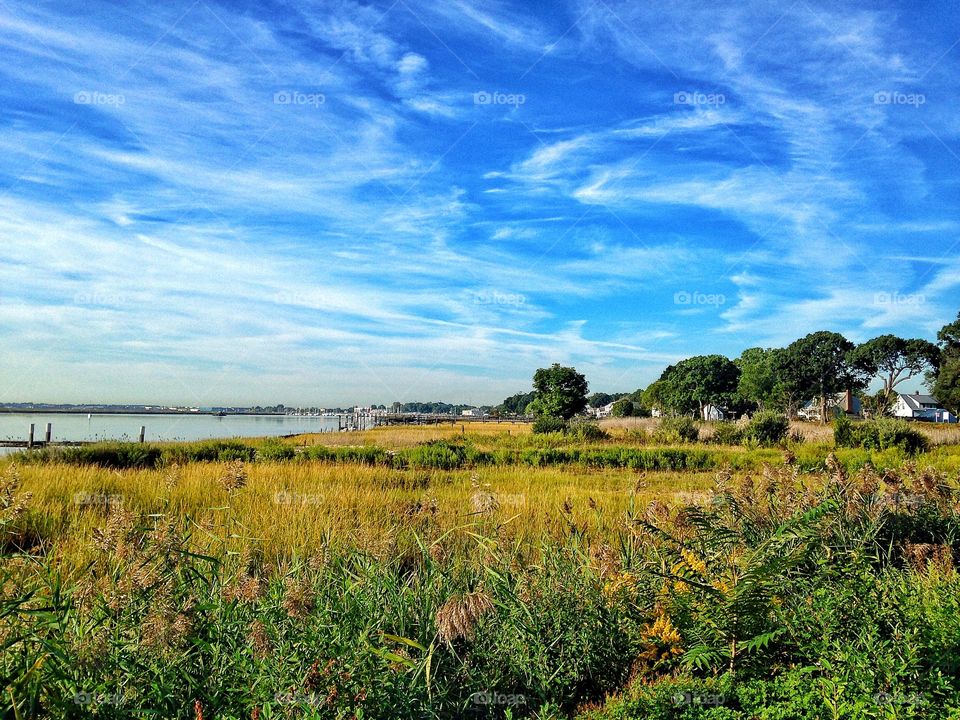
(916,402)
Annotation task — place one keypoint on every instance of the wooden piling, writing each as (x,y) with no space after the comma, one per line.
(49,434)
(143,432)
(30,436)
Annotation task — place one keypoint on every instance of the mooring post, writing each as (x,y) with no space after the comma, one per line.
(143,432)
(30,436)
(49,434)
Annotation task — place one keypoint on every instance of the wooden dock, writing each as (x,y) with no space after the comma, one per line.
(31,442)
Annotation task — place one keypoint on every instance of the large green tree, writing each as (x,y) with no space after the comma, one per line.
(759,382)
(817,366)
(945,383)
(894,360)
(694,383)
(653,396)
(561,392)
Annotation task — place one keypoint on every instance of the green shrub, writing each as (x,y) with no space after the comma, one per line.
(879,434)
(210,451)
(549,424)
(767,428)
(727,433)
(676,430)
(113,455)
(362,455)
(887,433)
(275,451)
(843,435)
(587,432)
(438,454)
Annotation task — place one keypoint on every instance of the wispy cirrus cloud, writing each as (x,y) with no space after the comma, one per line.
(311,203)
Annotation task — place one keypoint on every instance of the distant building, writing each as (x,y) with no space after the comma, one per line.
(921,407)
(712,412)
(604,410)
(845,402)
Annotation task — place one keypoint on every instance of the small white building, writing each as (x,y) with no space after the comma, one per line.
(712,412)
(604,411)
(921,407)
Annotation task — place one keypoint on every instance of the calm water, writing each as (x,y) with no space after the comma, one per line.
(16,426)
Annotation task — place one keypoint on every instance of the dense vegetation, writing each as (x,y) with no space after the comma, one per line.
(813,582)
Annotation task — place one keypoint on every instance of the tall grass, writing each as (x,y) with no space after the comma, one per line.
(783,593)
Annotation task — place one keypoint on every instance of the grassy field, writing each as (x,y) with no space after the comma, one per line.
(482,571)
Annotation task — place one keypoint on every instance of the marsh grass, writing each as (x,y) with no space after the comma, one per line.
(302,507)
(796,582)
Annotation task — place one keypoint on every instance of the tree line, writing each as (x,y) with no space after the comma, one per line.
(814,368)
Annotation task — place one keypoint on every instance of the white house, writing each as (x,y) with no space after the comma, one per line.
(604,411)
(712,412)
(921,407)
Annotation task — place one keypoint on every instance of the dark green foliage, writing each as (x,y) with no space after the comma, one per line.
(119,456)
(549,424)
(210,451)
(619,457)
(894,360)
(516,404)
(879,434)
(275,451)
(767,428)
(843,434)
(561,392)
(438,455)
(816,366)
(945,382)
(690,385)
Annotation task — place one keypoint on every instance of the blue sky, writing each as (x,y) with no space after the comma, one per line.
(249,202)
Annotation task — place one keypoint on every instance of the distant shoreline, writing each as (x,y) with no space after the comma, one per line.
(35,411)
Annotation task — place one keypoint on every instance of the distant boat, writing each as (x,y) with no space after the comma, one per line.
(221,413)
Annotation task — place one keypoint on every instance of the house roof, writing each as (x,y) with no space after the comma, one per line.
(916,402)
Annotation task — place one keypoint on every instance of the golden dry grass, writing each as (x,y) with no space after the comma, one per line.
(300,508)
(400,436)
